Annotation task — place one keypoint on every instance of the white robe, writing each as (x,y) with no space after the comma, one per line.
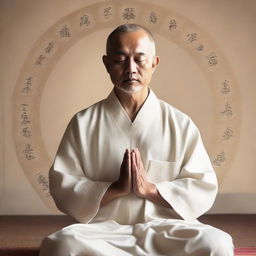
(88,161)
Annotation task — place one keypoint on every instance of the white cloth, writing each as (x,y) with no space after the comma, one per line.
(166,237)
(88,161)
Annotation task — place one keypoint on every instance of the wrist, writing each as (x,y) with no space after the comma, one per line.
(154,196)
(151,192)
(119,190)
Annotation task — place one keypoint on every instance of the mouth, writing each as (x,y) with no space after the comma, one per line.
(130,80)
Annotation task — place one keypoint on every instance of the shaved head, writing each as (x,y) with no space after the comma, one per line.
(128,28)
(130,59)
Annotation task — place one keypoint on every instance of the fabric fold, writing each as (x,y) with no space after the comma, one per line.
(90,154)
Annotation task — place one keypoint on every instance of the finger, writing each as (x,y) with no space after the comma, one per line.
(128,161)
(124,159)
(133,160)
(125,163)
(140,162)
(139,157)
(128,158)
(136,158)
(134,170)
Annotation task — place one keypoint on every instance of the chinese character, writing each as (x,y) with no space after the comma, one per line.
(228,110)
(212,59)
(26,132)
(84,20)
(28,152)
(172,24)
(226,87)
(153,18)
(25,121)
(129,14)
(64,32)
(49,47)
(107,12)
(200,48)
(228,133)
(43,181)
(24,106)
(24,115)
(40,59)
(192,37)
(27,85)
(219,159)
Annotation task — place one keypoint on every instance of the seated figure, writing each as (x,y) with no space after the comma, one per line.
(132,170)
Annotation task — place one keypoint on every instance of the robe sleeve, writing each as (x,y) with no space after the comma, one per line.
(193,191)
(73,192)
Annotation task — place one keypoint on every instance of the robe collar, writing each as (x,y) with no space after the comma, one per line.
(143,118)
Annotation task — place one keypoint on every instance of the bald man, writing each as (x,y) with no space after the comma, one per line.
(132,170)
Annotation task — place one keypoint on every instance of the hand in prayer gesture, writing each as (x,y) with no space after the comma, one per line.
(133,178)
(124,183)
(140,186)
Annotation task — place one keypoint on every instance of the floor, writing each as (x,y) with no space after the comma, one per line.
(22,235)
(241,227)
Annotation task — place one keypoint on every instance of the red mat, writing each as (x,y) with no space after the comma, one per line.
(247,251)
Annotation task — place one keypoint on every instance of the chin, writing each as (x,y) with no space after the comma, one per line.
(130,89)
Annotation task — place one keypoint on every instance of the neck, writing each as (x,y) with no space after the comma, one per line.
(132,102)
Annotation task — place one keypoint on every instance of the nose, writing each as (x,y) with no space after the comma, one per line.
(131,66)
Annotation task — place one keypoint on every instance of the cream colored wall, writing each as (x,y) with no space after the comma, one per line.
(73,77)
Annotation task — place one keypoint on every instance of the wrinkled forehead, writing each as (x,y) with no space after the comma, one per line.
(135,41)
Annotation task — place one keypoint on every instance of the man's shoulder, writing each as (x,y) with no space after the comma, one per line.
(177,118)
(87,115)
(173,112)
(90,110)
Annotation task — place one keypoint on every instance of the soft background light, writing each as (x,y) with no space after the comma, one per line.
(79,79)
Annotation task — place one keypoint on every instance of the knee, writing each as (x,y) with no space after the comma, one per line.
(57,244)
(217,242)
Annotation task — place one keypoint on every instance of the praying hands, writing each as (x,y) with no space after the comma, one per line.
(133,178)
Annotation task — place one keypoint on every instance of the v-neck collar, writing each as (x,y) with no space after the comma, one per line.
(144,116)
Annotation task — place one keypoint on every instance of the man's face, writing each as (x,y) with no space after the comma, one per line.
(130,61)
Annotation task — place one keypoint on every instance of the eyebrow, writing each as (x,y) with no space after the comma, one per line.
(119,53)
(123,53)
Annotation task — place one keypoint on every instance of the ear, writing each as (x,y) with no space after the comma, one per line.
(105,61)
(155,62)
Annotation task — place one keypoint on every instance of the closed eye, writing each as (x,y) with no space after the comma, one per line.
(140,60)
(119,61)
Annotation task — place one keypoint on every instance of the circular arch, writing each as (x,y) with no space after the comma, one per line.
(46,52)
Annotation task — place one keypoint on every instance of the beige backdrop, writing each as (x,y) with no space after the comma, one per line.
(51,68)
